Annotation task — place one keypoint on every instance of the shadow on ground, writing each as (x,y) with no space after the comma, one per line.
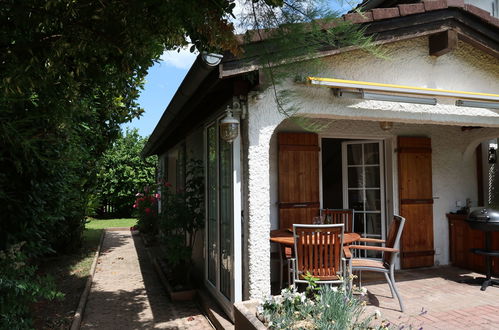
(70,274)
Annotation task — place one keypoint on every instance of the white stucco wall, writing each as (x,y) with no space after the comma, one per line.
(465,69)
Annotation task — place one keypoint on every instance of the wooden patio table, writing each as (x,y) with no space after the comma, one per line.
(285,237)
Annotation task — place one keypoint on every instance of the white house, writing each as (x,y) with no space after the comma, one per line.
(378,156)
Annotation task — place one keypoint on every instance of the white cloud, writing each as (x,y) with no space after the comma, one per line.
(181,60)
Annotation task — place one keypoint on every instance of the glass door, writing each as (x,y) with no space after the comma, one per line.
(222,273)
(363,187)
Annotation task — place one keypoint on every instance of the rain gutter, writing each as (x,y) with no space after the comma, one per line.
(204,64)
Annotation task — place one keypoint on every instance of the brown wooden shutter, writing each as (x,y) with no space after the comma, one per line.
(416,201)
(298,178)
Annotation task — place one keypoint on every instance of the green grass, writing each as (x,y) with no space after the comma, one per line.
(110,223)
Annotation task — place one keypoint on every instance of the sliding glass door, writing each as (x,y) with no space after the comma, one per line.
(223,241)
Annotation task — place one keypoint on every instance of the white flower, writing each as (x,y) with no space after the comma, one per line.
(335,289)
(377,314)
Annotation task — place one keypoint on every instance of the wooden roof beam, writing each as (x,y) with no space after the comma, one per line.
(443,42)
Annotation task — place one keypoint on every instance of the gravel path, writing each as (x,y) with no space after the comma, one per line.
(126,293)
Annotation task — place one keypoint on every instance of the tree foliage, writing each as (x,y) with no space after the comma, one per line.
(285,36)
(123,172)
(70,74)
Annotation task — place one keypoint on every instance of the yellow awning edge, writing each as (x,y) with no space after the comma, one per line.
(393,88)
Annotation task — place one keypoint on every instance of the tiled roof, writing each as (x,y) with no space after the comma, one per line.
(378,14)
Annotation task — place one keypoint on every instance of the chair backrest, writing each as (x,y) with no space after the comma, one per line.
(393,238)
(336,216)
(318,250)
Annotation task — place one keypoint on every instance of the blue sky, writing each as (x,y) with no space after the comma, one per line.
(164,78)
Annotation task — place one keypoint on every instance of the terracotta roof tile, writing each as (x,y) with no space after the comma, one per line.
(384,13)
(377,14)
(430,5)
(359,17)
(455,3)
(410,9)
(483,14)
(419,8)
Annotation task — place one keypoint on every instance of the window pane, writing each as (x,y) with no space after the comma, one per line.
(372,176)
(212,200)
(373,224)
(371,153)
(354,153)
(225,168)
(358,225)
(356,200)
(373,200)
(355,177)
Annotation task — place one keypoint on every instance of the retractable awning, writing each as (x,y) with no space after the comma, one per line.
(491,100)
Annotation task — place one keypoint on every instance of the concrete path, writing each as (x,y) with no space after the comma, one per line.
(126,293)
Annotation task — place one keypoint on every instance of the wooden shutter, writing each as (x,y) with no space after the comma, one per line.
(298,178)
(416,201)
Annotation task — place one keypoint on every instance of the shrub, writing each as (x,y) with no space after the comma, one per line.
(19,287)
(330,308)
(182,216)
(146,206)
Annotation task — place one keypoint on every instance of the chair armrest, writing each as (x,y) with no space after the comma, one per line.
(371,240)
(347,253)
(374,248)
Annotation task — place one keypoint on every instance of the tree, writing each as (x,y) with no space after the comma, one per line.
(70,74)
(123,172)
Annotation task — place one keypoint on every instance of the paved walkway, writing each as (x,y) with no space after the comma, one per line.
(126,293)
(435,299)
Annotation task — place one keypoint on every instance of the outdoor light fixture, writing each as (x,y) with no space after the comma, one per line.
(384,97)
(229,127)
(385,125)
(476,104)
(211,59)
(492,155)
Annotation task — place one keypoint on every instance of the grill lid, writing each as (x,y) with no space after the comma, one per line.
(484,215)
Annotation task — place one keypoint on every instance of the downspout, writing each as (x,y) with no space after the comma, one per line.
(200,69)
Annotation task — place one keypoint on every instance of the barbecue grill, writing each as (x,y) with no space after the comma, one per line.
(486,220)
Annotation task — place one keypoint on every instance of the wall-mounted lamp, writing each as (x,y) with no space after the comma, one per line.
(385,125)
(229,126)
(492,155)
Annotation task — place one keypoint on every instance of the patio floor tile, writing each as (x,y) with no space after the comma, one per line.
(435,299)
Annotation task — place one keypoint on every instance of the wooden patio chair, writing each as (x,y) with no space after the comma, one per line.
(335,216)
(318,251)
(386,264)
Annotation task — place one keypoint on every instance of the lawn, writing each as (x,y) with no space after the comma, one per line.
(70,273)
(109,223)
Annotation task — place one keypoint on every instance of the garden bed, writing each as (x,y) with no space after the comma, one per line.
(175,291)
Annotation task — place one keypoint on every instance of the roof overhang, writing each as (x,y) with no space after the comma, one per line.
(470,28)
(203,66)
